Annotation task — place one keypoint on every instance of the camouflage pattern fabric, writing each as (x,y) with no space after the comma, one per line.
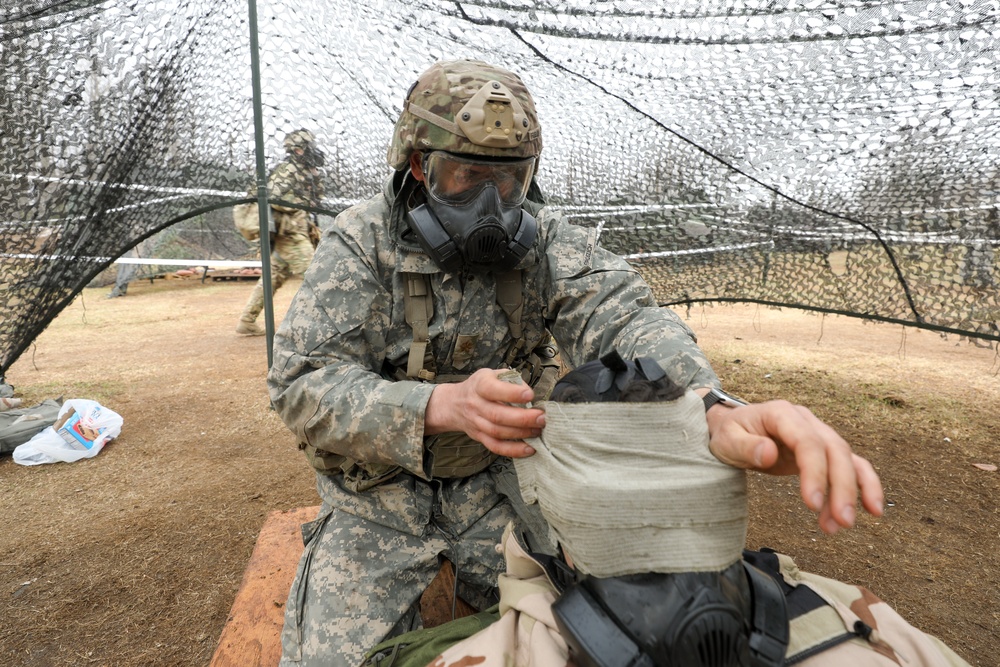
(348,319)
(892,641)
(359,580)
(527,634)
(295,183)
(443,89)
(292,248)
(290,255)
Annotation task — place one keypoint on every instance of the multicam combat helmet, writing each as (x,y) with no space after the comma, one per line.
(469,107)
(298,139)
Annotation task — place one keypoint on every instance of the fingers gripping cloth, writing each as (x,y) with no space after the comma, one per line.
(632,487)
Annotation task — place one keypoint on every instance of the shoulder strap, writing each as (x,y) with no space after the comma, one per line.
(510,298)
(419,307)
(814,626)
(418,302)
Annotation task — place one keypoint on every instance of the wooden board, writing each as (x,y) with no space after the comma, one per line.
(436,601)
(252,635)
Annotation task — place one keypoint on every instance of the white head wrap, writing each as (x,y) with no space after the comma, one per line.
(632,487)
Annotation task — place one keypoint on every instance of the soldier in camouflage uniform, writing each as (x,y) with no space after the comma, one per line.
(385,367)
(296,181)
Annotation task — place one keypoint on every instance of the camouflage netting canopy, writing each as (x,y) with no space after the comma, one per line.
(840,155)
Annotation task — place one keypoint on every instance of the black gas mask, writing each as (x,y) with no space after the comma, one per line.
(473,218)
(733,618)
(312,156)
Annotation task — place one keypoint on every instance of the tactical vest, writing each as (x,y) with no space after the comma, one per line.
(456,454)
(449,455)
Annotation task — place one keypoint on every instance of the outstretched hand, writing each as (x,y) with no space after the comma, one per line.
(780,438)
(480,407)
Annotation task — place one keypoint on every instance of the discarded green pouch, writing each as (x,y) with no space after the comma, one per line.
(418,648)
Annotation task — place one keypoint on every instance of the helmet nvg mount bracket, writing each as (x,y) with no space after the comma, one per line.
(493,117)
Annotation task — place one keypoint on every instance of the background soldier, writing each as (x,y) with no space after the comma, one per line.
(124,275)
(297,180)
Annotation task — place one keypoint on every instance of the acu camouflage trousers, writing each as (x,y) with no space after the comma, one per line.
(369,556)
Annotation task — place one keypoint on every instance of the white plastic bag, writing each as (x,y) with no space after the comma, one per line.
(80,432)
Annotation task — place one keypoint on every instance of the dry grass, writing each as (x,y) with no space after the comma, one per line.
(134,557)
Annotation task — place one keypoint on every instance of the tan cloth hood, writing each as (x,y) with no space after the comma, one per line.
(632,487)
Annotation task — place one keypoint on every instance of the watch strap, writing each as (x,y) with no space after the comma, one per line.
(718,396)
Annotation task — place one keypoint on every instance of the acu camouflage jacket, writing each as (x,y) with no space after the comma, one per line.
(348,318)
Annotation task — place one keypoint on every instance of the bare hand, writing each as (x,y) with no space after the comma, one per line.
(479,407)
(780,438)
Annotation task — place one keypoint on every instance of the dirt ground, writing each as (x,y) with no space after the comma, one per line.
(134,557)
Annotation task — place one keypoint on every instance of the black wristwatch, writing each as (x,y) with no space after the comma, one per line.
(718,396)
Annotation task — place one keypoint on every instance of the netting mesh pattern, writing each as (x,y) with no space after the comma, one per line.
(839,155)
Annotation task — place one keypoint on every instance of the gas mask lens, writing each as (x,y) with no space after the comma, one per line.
(452,179)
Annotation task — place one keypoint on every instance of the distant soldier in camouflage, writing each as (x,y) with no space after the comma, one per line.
(296,180)
(385,367)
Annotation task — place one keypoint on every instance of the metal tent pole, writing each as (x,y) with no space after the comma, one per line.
(263,205)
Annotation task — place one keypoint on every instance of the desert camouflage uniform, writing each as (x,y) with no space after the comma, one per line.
(291,250)
(372,551)
(827,636)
